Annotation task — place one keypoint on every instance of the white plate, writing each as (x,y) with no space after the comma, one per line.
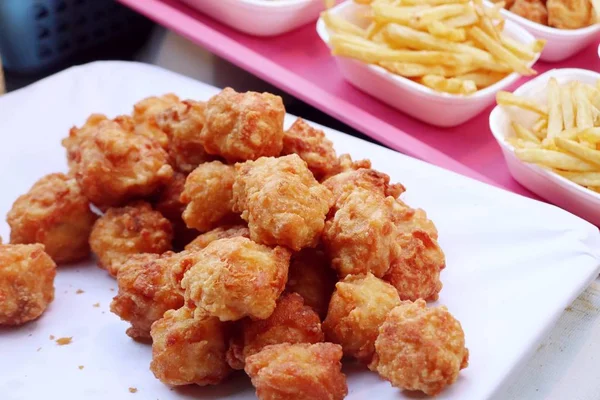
(419,101)
(546,184)
(560,43)
(513,264)
(261,17)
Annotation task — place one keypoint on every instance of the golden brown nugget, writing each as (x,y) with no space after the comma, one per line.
(361,236)
(145,292)
(56,214)
(312,277)
(129,230)
(312,146)
(358,308)
(222,232)
(144,116)
(182,123)
(26,282)
(416,273)
(420,348)
(291,322)
(234,278)
(409,220)
(208,194)
(243,126)
(188,350)
(570,14)
(115,165)
(298,372)
(281,201)
(344,164)
(533,10)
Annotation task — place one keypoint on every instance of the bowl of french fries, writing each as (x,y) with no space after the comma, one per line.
(549,132)
(440,61)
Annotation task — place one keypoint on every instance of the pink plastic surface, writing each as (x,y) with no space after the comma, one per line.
(300,64)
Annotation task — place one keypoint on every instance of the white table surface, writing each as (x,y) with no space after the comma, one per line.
(566,363)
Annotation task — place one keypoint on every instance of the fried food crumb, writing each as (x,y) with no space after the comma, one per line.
(132,390)
(97,305)
(51,337)
(63,341)
(112,289)
(80,367)
(30,335)
(79,291)
(39,348)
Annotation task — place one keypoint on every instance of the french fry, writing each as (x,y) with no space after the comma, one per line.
(426,16)
(596,7)
(440,30)
(591,135)
(519,143)
(579,150)
(582,178)
(498,51)
(524,133)
(540,126)
(384,13)
(432,2)
(509,99)
(518,49)
(593,95)
(555,159)
(568,111)
(339,24)
(555,120)
(482,79)
(463,20)
(449,85)
(584,117)
(413,70)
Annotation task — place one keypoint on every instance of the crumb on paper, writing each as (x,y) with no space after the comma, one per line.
(80,367)
(132,390)
(39,348)
(112,289)
(97,305)
(64,341)
(51,337)
(30,335)
(79,291)
(66,291)
(102,312)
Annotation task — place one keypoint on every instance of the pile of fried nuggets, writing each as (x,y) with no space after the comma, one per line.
(293,257)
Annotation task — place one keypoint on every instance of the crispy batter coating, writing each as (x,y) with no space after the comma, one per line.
(312,146)
(361,236)
(243,126)
(344,164)
(186,350)
(168,203)
(234,278)
(533,10)
(26,282)
(115,165)
(366,178)
(208,194)
(56,214)
(222,232)
(409,220)
(132,229)
(145,292)
(281,201)
(358,307)
(144,116)
(298,372)
(416,273)
(420,348)
(182,123)
(291,322)
(312,277)
(570,14)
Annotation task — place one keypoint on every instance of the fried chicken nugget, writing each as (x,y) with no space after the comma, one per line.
(236,277)
(183,123)
(56,214)
(298,371)
(359,306)
(312,277)
(344,164)
(144,116)
(420,348)
(186,350)
(312,146)
(243,126)
(222,232)
(168,203)
(533,10)
(125,231)
(208,194)
(115,165)
(145,292)
(570,14)
(291,322)
(281,201)
(361,236)
(26,282)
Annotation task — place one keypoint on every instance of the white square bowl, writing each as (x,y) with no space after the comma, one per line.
(547,184)
(560,43)
(413,98)
(260,17)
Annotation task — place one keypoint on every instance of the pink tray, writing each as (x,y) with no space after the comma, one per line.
(300,64)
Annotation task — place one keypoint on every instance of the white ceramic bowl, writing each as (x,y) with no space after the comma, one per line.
(260,17)
(560,43)
(419,101)
(548,185)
